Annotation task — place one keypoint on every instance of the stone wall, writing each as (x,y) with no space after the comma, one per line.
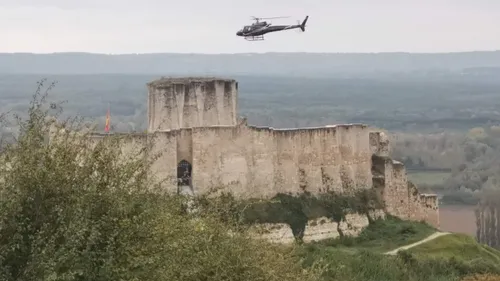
(262,162)
(400,196)
(335,158)
(316,230)
(175,103)
(194,123)
(253,162)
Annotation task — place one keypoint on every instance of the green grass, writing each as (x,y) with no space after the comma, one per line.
(459,246)
(447,258)
(365,265)
(428,177)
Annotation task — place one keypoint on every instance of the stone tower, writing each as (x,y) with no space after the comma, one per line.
(176,103)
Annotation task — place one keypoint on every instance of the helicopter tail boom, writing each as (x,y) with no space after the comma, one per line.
(303,25)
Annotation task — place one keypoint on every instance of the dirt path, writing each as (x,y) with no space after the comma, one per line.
(431,237)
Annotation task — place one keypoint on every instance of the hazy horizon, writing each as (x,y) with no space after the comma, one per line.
(269,63)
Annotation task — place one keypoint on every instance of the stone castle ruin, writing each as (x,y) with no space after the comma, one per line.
(206,146)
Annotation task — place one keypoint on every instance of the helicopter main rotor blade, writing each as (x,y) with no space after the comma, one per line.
(277,18)
(255,18)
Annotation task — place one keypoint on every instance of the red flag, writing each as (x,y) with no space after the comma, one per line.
(106,127)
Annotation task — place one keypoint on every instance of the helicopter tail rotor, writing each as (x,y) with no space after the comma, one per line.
(303,25)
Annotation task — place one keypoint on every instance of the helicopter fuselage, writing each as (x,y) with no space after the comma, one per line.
(261,28)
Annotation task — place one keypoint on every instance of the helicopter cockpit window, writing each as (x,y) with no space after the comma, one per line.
(246,28)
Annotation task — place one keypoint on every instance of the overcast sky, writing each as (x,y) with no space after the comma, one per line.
(209,26)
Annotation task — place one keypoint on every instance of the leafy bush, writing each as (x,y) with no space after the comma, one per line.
(74,209)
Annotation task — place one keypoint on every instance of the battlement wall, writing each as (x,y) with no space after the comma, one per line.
(262,162)
(175,103)
(423,206)
(255,162)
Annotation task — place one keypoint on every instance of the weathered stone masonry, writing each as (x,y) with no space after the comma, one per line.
(206,146)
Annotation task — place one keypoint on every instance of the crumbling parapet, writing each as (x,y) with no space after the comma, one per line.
(401,197)
(429,204)
(379,143)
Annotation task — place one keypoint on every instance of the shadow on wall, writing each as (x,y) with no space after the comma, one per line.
(297,211)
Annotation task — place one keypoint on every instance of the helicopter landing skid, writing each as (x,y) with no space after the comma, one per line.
(255,38)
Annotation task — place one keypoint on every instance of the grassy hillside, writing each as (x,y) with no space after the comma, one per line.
(447,258)
(459,246)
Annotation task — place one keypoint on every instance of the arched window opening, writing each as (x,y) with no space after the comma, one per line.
(184,170)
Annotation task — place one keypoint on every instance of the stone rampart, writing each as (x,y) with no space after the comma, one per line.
(204,147)
(255,162)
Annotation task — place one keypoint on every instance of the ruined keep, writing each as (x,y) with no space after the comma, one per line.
(205,145)
(178,103)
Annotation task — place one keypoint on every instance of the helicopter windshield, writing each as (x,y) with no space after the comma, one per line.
(246,28)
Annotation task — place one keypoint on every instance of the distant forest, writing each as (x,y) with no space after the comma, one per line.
(442,111)
(282,64)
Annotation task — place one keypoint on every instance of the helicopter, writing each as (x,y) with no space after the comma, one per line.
(256,31)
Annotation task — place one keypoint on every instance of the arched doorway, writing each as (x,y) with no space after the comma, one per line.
(184,170)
